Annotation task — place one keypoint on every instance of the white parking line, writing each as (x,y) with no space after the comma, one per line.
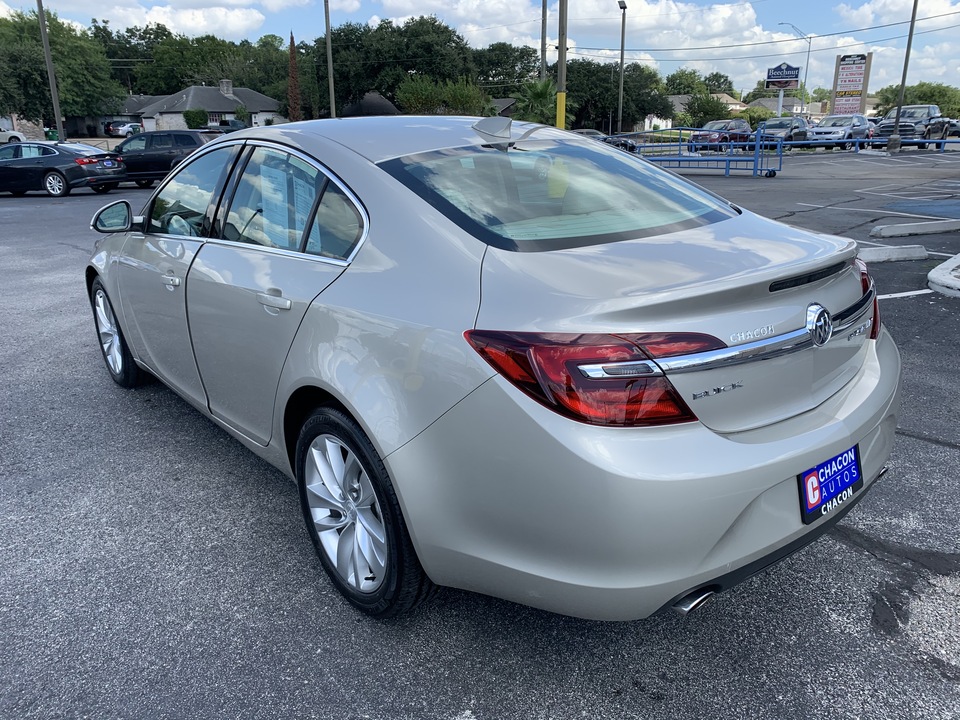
(884,213)
(904,294)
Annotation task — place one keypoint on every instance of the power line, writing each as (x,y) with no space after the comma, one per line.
(788,40)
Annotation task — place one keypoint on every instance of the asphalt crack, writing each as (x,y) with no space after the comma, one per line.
(912,566)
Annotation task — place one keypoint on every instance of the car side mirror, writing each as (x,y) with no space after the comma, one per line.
(113,218)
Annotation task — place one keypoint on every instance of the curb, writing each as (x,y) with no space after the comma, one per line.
(921,228)
(892,254)
(945,278)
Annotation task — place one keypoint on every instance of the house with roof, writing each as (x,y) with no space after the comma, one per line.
(221,103)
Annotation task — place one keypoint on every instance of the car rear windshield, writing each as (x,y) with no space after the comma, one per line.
(551,194)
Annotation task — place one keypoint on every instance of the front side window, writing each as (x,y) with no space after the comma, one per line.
(182,206)
(136,143)
(552,194)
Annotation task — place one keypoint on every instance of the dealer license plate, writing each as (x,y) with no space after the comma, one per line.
(108,163)
(830,485)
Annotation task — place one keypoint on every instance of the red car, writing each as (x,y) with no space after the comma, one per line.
(719,134)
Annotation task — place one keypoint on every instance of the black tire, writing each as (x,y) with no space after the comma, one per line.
(113,346)
(144,183)
(55,184)
(103,189)
(361,509)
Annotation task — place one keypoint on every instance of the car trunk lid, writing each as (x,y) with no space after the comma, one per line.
(748,281)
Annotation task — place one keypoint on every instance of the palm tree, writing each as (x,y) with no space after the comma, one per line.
(537,102)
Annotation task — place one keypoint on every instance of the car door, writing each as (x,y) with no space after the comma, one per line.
(161,153)
(8,173)
(134,153)
(32,163)
(152,278)
(286,236)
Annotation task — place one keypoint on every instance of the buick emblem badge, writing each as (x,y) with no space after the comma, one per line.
(819,324)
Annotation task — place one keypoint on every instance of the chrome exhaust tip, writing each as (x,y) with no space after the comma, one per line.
(688,603)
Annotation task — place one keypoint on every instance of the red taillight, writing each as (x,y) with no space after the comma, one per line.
(86,161)
(866,282)
(550,367)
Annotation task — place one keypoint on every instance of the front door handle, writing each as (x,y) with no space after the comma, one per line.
(274,301)
(170,281)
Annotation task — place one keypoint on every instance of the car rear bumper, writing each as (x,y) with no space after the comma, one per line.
(504,497)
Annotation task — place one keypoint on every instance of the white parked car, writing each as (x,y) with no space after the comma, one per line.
(11,136)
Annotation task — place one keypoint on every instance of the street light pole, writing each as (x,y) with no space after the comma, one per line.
(806,68)
(623,37)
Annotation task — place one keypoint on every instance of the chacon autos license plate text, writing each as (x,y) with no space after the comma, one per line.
(830,485)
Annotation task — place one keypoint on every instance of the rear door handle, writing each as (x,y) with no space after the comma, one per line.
(274,301)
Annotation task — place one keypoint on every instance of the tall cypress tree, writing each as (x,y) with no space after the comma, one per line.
(293,85)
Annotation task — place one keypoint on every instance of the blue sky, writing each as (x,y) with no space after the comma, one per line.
(740,39)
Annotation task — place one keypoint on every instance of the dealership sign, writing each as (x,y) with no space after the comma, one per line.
(783,77)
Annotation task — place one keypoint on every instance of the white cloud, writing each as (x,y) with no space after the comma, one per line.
(5,10)
(227,23)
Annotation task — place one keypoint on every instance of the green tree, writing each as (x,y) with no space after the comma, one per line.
(502,68)
(717,82)
(537,102)
(703,108)
(755,115)
(822,94)
(946,97)
(685,81)
(423,96)
(82,68)
(759,91)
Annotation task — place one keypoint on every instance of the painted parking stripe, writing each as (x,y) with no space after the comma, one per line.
(883,213)
(904,294)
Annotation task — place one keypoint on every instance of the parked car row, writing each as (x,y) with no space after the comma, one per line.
(917,122)
(59,167)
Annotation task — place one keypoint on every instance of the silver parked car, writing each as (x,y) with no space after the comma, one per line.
(841,131)
(505,357)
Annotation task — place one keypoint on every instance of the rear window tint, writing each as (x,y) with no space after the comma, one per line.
(549,194)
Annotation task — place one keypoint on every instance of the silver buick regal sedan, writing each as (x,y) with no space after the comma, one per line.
(507,358)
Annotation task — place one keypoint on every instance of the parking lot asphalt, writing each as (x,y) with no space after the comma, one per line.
(151,567)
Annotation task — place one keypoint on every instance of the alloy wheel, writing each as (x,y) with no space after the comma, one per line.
(346,513)
(108,332)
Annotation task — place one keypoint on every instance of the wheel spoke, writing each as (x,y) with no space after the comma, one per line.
(372,540)
(345,555)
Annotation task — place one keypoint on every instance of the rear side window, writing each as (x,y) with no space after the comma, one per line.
(32,151)
(554,194)
(273,200)
(337,226)
(186,141)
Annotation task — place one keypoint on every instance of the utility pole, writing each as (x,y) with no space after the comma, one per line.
(543,42)
(562,68)
(51,75)
(623,37)
(326,17)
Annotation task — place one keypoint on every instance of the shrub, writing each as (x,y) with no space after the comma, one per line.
(196,119)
